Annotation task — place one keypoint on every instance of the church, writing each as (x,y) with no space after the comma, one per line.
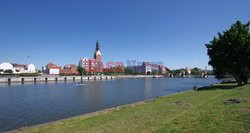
(93,65)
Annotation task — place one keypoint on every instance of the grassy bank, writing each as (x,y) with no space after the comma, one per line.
(221,108)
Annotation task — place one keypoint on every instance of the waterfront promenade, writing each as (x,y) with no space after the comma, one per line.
(50,78)
(53,78)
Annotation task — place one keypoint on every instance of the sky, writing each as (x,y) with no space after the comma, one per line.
(62,31)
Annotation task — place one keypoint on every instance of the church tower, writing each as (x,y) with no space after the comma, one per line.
(97,53)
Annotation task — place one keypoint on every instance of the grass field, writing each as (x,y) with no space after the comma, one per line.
(220,108)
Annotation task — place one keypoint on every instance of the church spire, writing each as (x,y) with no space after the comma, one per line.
(97,46)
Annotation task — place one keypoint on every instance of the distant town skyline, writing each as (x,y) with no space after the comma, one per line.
(63,31)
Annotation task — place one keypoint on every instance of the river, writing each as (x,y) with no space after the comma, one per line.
(30,104)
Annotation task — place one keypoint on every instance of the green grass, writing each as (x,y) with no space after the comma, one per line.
(207,110)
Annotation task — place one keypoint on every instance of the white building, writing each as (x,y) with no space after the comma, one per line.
(20,68)
(84,62)
(31,68)
(5,66)
(17,68)
(52,69)
(148,67)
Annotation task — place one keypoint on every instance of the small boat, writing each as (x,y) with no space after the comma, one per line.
(80,84)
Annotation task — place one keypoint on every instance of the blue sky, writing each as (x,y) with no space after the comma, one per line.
(62,31)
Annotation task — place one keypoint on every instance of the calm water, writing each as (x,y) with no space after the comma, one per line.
(32,104)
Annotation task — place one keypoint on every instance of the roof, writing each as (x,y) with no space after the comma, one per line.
(71,65)
(19,65)
(52,66)
(68,71)
(151,64)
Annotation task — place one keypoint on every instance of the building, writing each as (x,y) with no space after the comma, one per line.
(148,68)
(17,68)
(21,68)
(93,65)
(51,69)
(98,59)
(84,62)
(187,71)
(97,53)
(70,69)
(6,66)
(162,69)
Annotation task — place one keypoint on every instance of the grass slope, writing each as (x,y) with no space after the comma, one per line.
(221,108)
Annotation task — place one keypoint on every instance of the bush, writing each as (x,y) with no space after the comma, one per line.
(195,88)
(29,74)
(8,71)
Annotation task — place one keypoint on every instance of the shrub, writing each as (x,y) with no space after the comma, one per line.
(8,71)
(29,74)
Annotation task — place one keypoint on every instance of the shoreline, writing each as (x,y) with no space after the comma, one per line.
(187,111)
(103,111)
(45,79)
(96,113)
(139,76)
(100,112)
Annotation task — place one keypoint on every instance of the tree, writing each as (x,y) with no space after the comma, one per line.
(81,70)
(195,71)
(176,71)
(84,72)
(154,72)
(128,70)
(229,53)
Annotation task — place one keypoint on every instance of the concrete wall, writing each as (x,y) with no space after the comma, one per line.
(139,76)
(53,78)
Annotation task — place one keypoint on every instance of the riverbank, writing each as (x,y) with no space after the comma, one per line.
(53,78)
(139,76)
(219,108)
(49,78)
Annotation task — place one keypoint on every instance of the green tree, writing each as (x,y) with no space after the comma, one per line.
(176,71)
(154,72)
(230,52)
(195,71)
(81,70)
(128,70)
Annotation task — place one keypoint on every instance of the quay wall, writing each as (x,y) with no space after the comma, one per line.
(53,78)
(139,76)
